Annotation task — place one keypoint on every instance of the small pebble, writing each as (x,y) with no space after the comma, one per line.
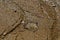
(31,26)
(23,22)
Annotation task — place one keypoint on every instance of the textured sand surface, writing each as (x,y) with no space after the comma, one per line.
(29,20)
